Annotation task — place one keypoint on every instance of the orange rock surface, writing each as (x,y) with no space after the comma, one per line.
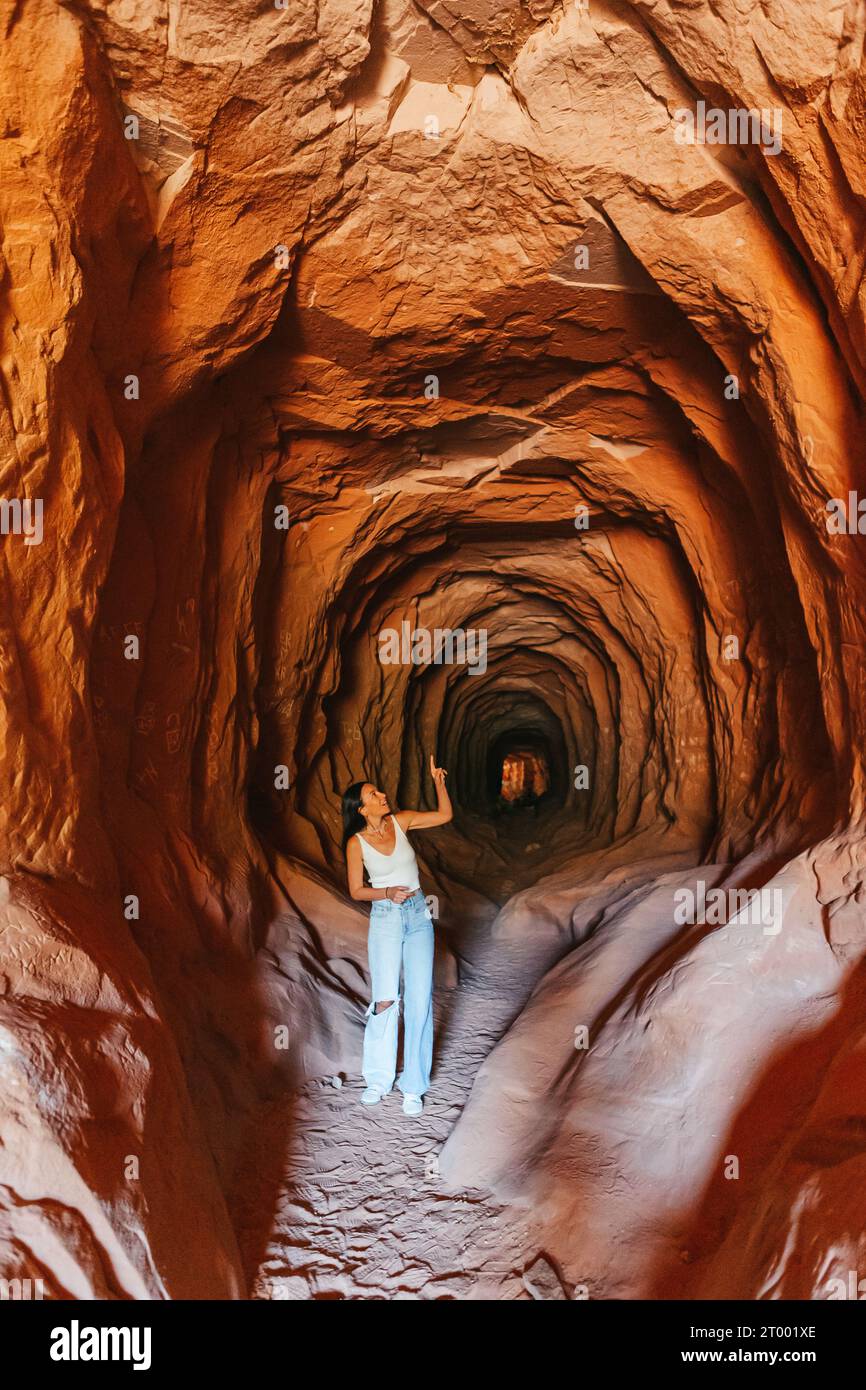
(324,319)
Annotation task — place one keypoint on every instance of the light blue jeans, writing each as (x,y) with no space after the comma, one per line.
(400,934)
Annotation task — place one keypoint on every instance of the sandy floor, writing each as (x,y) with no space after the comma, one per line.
(336,1200)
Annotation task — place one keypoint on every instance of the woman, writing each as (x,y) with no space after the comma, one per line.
(401,933)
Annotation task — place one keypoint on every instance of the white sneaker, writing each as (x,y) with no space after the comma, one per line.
(372,1095)
(412,1105)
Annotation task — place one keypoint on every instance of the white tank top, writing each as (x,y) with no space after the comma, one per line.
(394,870)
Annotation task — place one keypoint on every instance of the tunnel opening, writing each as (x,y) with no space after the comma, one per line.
(521,773)
(524,776)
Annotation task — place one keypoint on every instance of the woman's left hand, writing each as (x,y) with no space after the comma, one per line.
(438,773)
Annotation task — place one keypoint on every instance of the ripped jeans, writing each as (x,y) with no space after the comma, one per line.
(400,934)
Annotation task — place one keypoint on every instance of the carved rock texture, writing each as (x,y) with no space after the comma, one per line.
(440,280)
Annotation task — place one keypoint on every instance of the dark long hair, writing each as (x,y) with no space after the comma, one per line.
(353,821)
